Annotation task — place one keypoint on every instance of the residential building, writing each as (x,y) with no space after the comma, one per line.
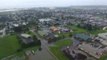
(2,32)
(26,39)
(94,49)
(83,37)
(102,37)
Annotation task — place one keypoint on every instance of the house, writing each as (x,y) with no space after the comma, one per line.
(65,30)
(26,39)
(94,49)
(60,29)
(51,37)
(74,54)
(2,32)
(54,29)
(83,37)
(105,28)
(15,25)
(45,20)
(102,37)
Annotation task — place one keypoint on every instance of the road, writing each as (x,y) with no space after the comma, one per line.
(44,54)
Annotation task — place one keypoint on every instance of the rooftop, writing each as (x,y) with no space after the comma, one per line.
(94,50)
(103,35)
(83,37)
(15,25)
(26,35)
(25,38)
(42,20)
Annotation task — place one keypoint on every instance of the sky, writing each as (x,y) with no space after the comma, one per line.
(48,3)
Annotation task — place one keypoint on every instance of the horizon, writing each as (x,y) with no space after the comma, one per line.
(5,4)
(56,6)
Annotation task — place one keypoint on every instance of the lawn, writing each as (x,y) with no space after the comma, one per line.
(77,29)
(56,50)
(97,31)
(66,34)
(103,57)
(8,45)
(32,48)
(82,30)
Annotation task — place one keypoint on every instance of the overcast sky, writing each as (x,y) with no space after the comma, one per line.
(48,3)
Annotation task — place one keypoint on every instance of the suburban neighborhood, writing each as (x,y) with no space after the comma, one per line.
(62,33)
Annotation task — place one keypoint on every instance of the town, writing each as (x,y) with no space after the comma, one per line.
(61,33)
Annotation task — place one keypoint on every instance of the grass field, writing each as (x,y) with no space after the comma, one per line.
(77,29)
(97,31)
(8,45)
(56,50)
(82,30)
(103,57)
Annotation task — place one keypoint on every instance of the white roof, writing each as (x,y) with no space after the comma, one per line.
(42,20)
(104,42)
(103,35)
(1,30)
(24,23)
(25,35)
(16,25)
(91,50)
(105,28)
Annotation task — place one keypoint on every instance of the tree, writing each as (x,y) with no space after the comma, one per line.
(18,29)
(70,34)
